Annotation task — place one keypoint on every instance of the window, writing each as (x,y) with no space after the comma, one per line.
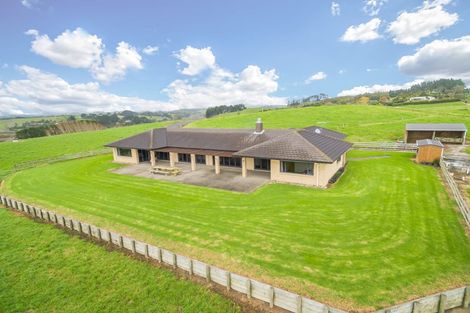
(305,168)
(163,156)
(233,162)
(201,159)
(124,152)
(184,157)
(144,155)
(262,164)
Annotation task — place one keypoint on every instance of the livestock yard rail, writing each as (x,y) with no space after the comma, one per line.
(462,204)
(275,297)
(384,146)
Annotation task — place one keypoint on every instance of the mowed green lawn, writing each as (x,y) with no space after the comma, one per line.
(386,232)
(359,122)
(12,153)
(42,269)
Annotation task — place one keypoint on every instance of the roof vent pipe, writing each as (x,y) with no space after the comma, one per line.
(259,126)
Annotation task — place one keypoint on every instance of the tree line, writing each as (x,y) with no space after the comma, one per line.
(213,111)
(442,90)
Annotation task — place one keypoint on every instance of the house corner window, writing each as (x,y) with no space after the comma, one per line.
(305,168)
(124,152)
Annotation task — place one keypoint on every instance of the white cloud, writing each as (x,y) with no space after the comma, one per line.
(372,7)
(251,86)
(32,32)
(28,3)
(359,90)
(114,67)
(430,18)
(45,93)
(78,49)
(197,60)
(335,8)
(341,72)
(363,32)
(316,76)
(150,50)
(439,59)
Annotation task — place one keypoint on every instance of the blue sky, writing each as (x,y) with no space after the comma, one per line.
(83,56)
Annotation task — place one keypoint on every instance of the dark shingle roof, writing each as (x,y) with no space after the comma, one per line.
(139,141)
(299,145)
(309,144)
(217,139)
(429,142)
(437,127)
(326,132)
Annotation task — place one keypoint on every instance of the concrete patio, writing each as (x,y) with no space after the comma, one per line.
(204,175)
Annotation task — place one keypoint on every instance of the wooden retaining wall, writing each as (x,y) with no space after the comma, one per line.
(273,296)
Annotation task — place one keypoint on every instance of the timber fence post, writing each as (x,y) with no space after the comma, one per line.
(442,303)
(248,288)
(271,297)
(466,297)
(228,280)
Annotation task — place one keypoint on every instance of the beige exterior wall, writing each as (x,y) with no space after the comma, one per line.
(322,172)
(325,171)
(209,160)
(134,159)
(173,158)
(277,175)
(250,164)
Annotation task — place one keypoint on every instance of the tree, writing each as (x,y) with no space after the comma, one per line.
(212,111)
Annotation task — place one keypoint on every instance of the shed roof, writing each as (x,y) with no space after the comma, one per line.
(429,142)
(437,127)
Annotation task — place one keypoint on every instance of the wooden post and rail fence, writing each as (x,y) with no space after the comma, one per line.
(273,296)
(461,202)
(385,146)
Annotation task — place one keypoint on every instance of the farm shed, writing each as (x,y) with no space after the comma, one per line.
(445,133)
(429,151)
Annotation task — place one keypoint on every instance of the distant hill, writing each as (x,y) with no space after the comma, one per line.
(58,129)
(442,90)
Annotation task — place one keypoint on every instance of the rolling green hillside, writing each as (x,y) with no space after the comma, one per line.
(44,269)
(12,153)
(359,122)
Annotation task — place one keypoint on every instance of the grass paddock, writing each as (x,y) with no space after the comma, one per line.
(386,232)
(43,269)
(359,122)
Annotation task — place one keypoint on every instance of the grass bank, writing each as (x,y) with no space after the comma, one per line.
(45,270)
(385,233)
(359,122)
(12,153)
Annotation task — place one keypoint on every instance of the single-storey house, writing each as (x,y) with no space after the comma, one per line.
(309,156)
(445,133)
(429,151)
